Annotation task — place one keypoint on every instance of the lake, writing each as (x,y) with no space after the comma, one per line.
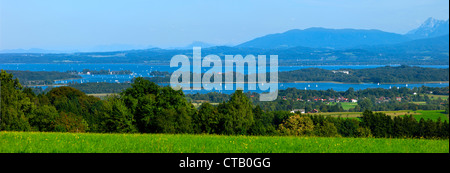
(143,70)
(326,86)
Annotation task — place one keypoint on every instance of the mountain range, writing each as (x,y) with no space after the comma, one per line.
(315,37)
(427,44)
(325,38)
(346,38)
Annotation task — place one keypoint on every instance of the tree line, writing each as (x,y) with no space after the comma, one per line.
(146,107)
(292,98)
(387,74)
(41,77)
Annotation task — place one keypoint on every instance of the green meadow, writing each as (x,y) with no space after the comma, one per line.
(346,105)
(431,114)
(418,114)
(435,97)
(47,142)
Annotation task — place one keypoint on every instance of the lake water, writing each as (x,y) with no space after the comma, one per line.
(326,86)
(143,70)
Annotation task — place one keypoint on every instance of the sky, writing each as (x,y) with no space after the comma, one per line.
(86,24)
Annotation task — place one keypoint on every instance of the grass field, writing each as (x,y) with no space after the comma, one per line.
(426,114)
(419,103)
(434,97)
(41,142)
(431,114)
(359,114)
(346,105)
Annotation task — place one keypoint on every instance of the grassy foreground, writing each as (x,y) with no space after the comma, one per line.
(42,142)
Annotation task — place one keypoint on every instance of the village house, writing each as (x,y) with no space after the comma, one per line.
(382,99)
(341,99)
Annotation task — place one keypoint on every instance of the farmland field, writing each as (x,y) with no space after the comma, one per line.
(42,142)
(434,97)
(346,105)
(425,114)
(419,103)
(431,114)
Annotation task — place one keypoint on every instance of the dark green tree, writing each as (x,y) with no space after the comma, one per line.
(207,120)
(16,107)
(365,104)
(158,109)
(70,100)
(327,129)
(44,118)
(263,123)
(145,113)
(347,127)
(173,102)
(116,117)
(237,113)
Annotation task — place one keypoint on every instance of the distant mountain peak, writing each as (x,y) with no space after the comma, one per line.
(430,28)
(194,44)
(200,44)
(432,22)
(318,37)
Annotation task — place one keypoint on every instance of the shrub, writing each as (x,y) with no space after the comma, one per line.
(297,126)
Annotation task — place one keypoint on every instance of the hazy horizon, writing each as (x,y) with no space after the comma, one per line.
(84,25)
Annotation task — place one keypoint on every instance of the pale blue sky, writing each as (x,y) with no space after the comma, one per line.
(79,24)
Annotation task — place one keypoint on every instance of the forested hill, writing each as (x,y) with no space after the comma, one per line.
(387,74)
(40,77)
